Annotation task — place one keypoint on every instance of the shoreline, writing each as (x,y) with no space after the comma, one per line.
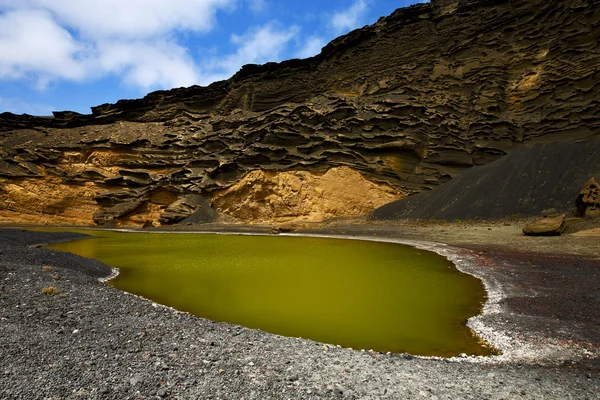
(465,260)
(520,352)
(484,333)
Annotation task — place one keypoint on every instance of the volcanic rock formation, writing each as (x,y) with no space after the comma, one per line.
(588,201)
(408,103)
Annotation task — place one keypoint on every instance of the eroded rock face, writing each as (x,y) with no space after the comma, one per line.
(47,201)
(411,101)
(300,196)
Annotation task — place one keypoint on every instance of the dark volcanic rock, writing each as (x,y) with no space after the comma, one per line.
(112,199)
(202,215)
(136,177)
(120,210)
(191,208)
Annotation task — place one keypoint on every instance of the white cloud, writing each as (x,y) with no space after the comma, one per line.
(257,46)
(350,18)
(147,65)
(48,40)
(31,43)
(127,18)
(312,47)
(140,41)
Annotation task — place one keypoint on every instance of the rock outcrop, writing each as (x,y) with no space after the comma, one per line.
(412,102)
(184,208)
(550,226)
(300,196)
(588,200)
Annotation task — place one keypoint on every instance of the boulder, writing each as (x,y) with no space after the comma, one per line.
(109,215)
(203,215)
(588,200)
(136,177)
(553,226)
(192,208)
(112,199)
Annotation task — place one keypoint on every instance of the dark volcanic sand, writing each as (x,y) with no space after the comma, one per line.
(97,342)
(528,179)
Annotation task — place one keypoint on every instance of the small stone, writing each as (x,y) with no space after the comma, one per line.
(162,392)
(136,379)
(103,390)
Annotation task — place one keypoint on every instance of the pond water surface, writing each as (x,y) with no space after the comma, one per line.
(364,295)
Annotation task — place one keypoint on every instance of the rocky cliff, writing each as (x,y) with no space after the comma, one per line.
(403,105)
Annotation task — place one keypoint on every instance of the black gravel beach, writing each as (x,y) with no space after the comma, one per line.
(89,340)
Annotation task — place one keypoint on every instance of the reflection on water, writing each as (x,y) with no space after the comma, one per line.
(370,295)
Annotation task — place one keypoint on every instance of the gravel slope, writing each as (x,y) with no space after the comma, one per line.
(99,343)
(527,181)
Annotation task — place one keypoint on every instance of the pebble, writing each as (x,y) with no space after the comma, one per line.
(136,379)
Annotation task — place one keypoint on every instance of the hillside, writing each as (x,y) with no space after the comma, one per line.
(528,181)
(386,111)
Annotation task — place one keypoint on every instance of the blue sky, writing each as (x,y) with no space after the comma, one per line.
(74,54)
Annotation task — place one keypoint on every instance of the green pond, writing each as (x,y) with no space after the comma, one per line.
(359,294)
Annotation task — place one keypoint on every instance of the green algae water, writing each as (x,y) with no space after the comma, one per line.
(364,295)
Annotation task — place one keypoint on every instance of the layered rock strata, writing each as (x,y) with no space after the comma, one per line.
(409,102)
